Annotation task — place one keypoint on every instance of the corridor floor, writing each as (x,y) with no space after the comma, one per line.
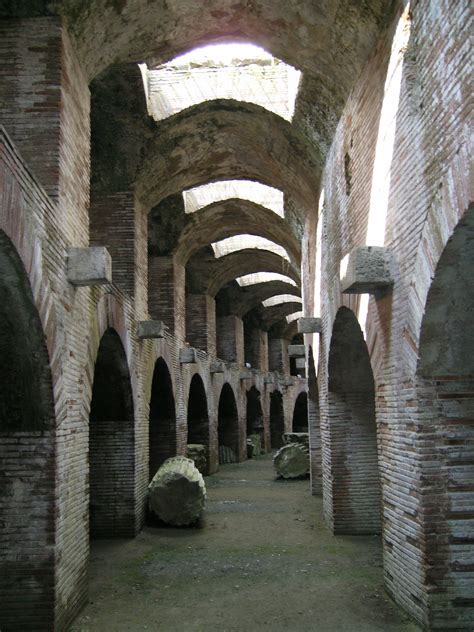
(263,560)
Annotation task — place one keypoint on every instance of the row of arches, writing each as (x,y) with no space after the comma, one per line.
(112,428)
(349,430)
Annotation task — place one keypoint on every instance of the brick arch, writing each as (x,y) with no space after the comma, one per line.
(22,223)
(27,453)
(445,428)
(215,141)
(254,414)
(274,25)
(349,434)
(231,217)
(228,427)
(112,442)
(300,413)
(110,313)
(277,419)
(199,431)
(162,417)
(252,295)
(275,313)
(433,240)
(246,261)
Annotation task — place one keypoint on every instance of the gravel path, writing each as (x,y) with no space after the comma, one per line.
(262,560)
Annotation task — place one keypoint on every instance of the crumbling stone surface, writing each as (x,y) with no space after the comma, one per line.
(291,461)
(296,437)
(369,270)
(198,454)
(177,492)
(254,446)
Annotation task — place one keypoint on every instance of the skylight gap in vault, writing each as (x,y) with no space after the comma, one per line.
(221,71)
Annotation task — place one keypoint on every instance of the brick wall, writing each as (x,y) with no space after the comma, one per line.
(429,191)
(112,224)
(278,359)
(166,291)
(201,322)
(230,339)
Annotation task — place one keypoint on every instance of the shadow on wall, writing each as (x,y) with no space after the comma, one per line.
(255,414)
(355,480)
(228,426)
(27,457)
(112,443)
(446,408)
(300,413)
(162,427)
(198,418)
(277,420)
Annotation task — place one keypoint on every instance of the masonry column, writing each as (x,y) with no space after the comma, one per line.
(45,108)
(119,222)
(166,291)
(201,322)
(45,105)
(278,359)
(255,343)
(230,339)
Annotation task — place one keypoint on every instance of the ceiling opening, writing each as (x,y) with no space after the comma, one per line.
(263,277)
(221,71)
(240,242)
(199,197)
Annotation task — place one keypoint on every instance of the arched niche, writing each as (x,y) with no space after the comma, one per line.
(162,425)
(277,420)
(300,413)
(112,443)
(27,455)
(446,418)
(354,474)
(198,418)
(228,426)
(254,414)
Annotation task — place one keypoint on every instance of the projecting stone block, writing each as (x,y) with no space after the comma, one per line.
(217,367)
(309,325)
(288,381)
(269,379)
(367,270)
(300,363)
(246,375)
(296,351)
(151,329)
(187,355)
(89,266)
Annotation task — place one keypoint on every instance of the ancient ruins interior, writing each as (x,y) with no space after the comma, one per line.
(232,218)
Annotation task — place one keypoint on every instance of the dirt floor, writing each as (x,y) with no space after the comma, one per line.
(262,560)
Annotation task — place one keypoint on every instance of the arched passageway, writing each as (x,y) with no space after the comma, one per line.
(300,413)
(198,418)
(254,415)
(446,417)
(277,420)
(355,482)
(228,426)
(162,428)
(27,460)
(112,443)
